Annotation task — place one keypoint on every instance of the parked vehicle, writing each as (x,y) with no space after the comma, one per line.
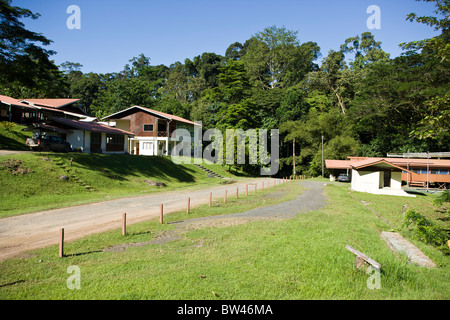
(48,143)
(343,178)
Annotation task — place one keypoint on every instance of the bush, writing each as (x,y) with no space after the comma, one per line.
(443,198)
(7,125)
(426,231)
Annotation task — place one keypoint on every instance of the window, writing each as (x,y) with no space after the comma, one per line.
(147,145)
(114,142)
(148,127)
(162,126)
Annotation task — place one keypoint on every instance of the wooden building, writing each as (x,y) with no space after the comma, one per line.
(152,129)
(394,173)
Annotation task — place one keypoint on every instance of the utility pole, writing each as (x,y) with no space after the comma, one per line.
(293,154)
(322,158)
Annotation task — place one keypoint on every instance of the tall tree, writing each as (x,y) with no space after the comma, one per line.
(23,62)
(365,49)
(271,55)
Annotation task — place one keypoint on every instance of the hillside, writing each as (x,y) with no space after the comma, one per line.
(12,137)
(33,181)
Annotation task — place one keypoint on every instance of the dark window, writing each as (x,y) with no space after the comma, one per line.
(162,126)
(148,127)
(114,142)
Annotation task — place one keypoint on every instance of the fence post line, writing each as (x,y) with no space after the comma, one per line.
(188,205)
(210,198)
(225,197)
(237,192)
(61,242)
(263,185)
(246,190)
(124,224)
(161,213)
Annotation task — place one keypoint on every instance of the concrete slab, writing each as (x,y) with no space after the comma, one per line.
(399,244)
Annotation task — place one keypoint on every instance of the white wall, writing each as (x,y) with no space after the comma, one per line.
(396,180)
(87,141)
(76,139)
(370,182)
(365,181)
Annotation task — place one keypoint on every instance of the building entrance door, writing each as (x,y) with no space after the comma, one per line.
(387,179)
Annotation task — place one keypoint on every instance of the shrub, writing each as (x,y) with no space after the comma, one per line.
(7,125)
(443,198)
(426,231)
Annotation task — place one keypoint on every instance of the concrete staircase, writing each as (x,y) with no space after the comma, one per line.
(210,173)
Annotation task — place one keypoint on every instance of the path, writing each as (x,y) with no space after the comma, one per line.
(313,198)
(41,229)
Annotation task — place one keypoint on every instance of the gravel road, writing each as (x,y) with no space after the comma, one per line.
(41,229)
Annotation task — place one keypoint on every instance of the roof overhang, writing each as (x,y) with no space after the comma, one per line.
(47,127)
(170,117)
(51,103)
(112,116)
(90,126)
(381,164)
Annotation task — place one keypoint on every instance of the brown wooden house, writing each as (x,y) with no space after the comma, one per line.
(152,129)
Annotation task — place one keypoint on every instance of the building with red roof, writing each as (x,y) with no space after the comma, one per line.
(391,175)
(152,130)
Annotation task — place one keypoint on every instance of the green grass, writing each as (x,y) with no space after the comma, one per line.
(12,137)
(92,177)
(299,258)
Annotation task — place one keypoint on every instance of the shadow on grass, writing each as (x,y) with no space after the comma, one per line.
(121,165)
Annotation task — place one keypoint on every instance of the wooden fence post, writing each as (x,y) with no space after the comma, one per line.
(188,205)
(124,224)
(161,213)
(225,197)
(61,242)
(210,198)
(255,186)
(263,185)
(237,192)
(246,190)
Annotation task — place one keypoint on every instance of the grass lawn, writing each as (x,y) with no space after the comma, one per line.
(12,137)
(31,182)
(299,258)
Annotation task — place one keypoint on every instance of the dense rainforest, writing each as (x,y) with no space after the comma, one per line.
(356,98)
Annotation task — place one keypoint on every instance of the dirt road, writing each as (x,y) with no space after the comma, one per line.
(41,229)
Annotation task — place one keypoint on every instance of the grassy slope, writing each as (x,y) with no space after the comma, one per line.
(92,177)
(299,258)
(14,138)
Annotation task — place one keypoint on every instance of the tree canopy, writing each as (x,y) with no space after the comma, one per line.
(360,99)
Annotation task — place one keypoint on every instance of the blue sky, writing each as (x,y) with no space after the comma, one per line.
(112,32)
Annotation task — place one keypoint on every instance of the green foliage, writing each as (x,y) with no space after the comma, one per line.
(360,99)
(443,198)
(24,65)
(7,125)
(426,231)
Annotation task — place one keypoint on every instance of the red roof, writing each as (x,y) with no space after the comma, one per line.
(14,102)
(359,162)
(90,126)
(158,113)
(51,103)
